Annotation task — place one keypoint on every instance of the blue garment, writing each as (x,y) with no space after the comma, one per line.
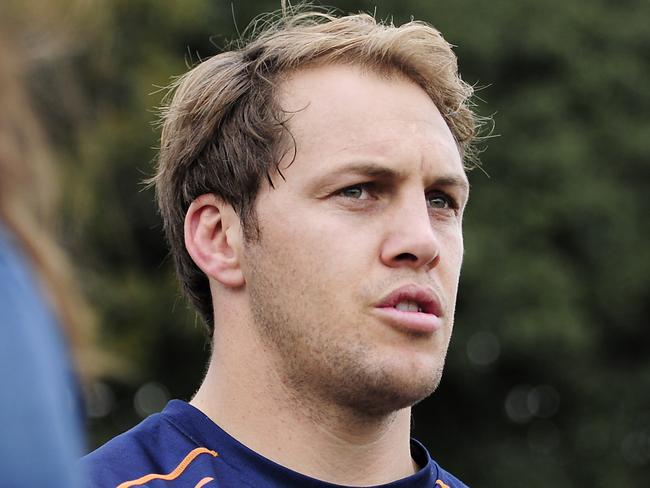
(182,447)
(40,433)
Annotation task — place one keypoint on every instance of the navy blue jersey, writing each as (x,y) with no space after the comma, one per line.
(182,447)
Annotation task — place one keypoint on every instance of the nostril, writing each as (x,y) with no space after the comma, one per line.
(406,256)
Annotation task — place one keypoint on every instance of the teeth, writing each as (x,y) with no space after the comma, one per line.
(408,307)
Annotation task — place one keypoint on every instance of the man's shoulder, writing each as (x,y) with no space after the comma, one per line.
(143,437)
(444,479)
(134,445)
(435,474)
(166,449)
(151,446)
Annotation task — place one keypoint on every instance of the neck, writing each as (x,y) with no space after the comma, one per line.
(244,394)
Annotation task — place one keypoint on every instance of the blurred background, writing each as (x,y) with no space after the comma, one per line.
(548,374)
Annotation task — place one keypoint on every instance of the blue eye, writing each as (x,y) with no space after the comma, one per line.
(439,200)
(356,192)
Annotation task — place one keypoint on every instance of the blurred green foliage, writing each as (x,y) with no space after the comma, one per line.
(548,375)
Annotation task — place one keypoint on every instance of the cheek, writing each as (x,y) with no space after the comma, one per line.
(302,254)
(451,257)
(317,264)
(457,254)
(327,240)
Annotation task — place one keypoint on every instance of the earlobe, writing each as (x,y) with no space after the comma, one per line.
(213,240)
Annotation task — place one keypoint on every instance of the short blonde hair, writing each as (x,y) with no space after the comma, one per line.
(222,129)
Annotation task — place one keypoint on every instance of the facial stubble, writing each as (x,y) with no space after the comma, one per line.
(321,354)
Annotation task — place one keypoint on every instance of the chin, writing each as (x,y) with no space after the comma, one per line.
(389,390)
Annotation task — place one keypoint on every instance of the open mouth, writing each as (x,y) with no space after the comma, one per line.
(412,299)
(413,308)
(408,306)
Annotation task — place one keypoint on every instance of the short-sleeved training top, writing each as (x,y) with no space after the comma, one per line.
(182,447)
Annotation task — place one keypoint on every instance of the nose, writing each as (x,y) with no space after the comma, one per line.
(411,240)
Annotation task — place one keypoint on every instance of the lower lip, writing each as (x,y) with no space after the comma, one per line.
(414,322)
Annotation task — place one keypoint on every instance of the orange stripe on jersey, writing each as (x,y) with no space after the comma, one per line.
(174,474)
(441,484)
(203,482)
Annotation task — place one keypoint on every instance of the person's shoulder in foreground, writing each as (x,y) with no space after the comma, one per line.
(312,186)
(36,380)
(182,447)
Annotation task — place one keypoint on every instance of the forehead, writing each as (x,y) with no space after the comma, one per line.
(339,113)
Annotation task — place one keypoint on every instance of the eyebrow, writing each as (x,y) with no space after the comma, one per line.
(373,170)
(452,180)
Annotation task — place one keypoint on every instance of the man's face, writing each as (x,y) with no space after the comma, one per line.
(352,284)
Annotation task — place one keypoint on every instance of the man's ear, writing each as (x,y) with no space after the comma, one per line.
(213,238)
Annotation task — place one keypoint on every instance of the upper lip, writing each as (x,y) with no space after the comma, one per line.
(426,299)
